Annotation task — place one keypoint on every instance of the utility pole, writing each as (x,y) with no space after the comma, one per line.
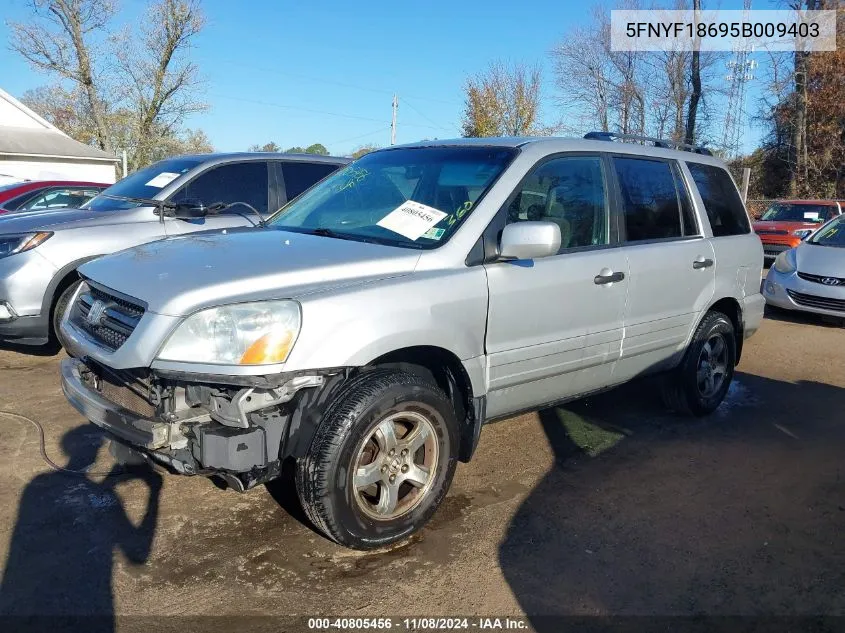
(393,121)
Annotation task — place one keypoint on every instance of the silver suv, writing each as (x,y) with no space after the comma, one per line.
(40,251)
(379,320)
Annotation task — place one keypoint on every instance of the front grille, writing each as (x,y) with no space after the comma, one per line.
(113,321)
(129,389)
(773,250)
(814,301)
(823,279)
(771,232)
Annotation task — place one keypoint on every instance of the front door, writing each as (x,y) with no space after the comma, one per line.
(228,183)
(555,323)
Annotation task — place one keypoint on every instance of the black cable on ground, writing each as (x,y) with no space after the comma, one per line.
(43,449)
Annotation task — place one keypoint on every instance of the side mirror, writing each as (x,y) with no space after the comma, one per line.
(189,209)
(529,240)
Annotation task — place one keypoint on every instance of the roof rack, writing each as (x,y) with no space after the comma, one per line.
(658,142)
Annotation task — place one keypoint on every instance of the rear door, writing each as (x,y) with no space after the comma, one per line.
(672,265)
(555,324)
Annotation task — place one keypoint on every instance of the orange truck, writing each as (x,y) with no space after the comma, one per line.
(786,222)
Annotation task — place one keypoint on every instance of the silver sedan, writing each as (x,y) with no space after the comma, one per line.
(811,276)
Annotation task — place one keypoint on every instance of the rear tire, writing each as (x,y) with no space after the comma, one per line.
(381,461)
(59,309)
(699,384)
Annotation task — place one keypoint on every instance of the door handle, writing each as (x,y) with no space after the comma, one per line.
(702,263)
(608,278)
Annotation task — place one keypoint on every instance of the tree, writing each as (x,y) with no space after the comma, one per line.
(364,149)
(695,80)
(124,90)
(502,101)
(662,94)
(804,113)
(267,147)
(317,148)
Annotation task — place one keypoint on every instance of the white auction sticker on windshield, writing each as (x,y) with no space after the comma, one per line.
(811,215)
(411,219)
(163,179)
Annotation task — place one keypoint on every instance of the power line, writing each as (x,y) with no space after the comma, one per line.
(290,107)
(355,138)
(410,105)
(313,111)
(333,82)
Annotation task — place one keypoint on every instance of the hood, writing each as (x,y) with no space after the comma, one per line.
(177,276)
(56,219)
(825,261)
(780,225)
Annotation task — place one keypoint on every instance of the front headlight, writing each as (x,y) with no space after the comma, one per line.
(260,333)
(785,262)
(802,233)
(22,242)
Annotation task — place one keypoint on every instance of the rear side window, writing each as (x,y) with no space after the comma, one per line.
(236,182)
(721,200)
(301,176)
(649,199)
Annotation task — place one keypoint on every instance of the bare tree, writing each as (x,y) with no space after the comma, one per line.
(605,88)
(695,80)
(139,101)
(59,41)
(502,101)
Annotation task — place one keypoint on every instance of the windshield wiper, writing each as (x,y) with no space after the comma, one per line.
(147,202)
(326,232)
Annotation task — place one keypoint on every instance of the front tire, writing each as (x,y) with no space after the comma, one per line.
(381,461)
(59,309)
(699,384)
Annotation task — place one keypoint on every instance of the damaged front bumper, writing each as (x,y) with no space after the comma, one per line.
(241,432)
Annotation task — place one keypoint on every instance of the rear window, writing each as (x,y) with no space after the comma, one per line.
(721,200)
(301,176)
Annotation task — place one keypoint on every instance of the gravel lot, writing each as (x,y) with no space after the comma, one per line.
(607,506)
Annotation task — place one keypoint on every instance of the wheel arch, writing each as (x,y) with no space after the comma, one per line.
(731,308)
(451,375)
(63,278)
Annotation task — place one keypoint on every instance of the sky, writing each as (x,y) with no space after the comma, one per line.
(300,72)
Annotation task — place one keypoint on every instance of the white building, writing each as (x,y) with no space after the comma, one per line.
(34,149)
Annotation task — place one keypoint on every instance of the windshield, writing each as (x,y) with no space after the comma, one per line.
(144,183)
(831,235)
(786,212)
(410,197)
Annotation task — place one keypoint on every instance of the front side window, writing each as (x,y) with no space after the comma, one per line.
(569,191)
(721,200)
(650,201)
(236,182)
(413,197)
(144,183)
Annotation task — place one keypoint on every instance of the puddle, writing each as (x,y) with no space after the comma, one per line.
(738,396)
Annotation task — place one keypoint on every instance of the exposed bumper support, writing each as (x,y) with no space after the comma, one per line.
(120,422)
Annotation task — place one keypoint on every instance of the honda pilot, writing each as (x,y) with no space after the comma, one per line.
(377,322)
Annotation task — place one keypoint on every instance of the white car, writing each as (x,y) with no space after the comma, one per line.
(811,277)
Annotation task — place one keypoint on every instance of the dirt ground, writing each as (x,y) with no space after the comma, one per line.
(609,506)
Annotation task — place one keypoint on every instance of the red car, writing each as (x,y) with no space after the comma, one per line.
(786,222)
(47,194)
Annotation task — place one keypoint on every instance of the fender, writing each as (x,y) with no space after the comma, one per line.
(64,271)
